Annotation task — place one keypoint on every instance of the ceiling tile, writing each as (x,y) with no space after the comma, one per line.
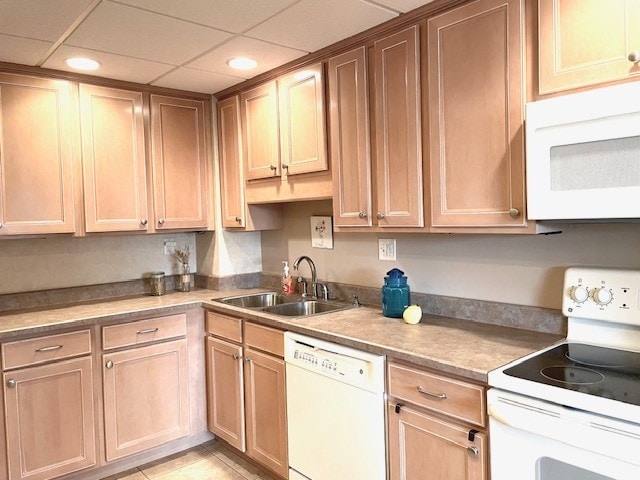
(39,19)
(269,56)
(111,65)
(197,81)
(129,31)
(22,50)
(230,15)
(403,5)
(313,24)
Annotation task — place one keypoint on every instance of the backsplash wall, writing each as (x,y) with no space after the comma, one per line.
(520,269)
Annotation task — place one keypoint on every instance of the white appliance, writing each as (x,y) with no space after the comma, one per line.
(335,411)
(572,411)
(583,155)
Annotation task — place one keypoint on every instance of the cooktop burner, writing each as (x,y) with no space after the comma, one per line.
(599,371)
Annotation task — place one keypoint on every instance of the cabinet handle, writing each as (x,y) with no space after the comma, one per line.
(247,359)
(148,330)
(285,166)
(109,364)
(0,225)
(238,219)
(11,383)
(439,396)
(380,215)
(236,356)
(634,56)
(49,349)
(362,215)
(144,222)
(473,451)
(161,221)
(514,213)
(273,168)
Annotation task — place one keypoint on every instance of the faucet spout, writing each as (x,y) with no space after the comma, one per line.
(312,267)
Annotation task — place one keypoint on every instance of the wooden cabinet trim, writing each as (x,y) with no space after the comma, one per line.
(144,331)
(33,351)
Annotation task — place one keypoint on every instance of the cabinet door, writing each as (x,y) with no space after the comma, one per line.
(265,399)
(476,115)
(259,111)
(180,171)
(303,138)
(146,397)
(398,130)
(584,42)
(50,419)
(225,391)
(421,446)
(350,147)
(113,159)
(231,169)
(36,156)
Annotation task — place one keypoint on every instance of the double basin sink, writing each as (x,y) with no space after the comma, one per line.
(287,306)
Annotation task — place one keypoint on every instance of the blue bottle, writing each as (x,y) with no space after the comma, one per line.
(395,294)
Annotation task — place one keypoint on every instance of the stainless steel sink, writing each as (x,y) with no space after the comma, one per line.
(254,300)
(305,308)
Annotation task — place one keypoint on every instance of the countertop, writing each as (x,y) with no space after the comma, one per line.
(459,347)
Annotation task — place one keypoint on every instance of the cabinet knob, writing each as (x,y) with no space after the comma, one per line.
(144,222)
(634,56)
(11,383)
(473,451)
(380,215)
(236,356)
(238,219)
(514,213)
(273,168)
(161,221)
(247,359)
(109,364)
(0,225)
(284,165)
(362,215)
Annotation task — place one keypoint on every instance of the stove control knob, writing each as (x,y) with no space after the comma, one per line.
(602,296)
(579,294)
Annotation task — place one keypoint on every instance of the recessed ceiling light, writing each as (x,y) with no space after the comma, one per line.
(82,63)
(242,63)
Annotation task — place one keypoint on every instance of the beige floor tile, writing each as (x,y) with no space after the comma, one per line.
(207,469)
(244,468)
(175,462)
(133,474)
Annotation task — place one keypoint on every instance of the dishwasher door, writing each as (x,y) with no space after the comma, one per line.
(336,430)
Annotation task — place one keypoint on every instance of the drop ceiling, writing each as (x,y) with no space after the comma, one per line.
(182,44)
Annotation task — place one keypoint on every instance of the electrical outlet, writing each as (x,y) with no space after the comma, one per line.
(387,249)
(169,246)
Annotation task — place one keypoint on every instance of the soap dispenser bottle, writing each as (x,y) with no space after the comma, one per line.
(286,283)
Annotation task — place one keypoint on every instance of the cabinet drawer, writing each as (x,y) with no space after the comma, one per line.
(225,327)
(264,338)
(44,349)
(457,399)
(144,331)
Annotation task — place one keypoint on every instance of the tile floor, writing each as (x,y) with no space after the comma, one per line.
(209,461)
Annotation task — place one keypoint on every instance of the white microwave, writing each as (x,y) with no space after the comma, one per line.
(583,155)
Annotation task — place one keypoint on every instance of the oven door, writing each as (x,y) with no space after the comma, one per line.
(583,155)
(535,440)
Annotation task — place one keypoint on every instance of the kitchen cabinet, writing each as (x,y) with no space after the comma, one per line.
(235,212)
(587,42)
(37,155)
(145,386)
(246,389)
(436,426)
(49,409)
(113,159)
(475,107)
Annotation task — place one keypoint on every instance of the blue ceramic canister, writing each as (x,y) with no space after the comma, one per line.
(395,294)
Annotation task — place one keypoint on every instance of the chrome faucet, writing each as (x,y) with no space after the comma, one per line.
(314,279)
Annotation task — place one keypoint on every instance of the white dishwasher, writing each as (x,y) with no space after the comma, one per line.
(335,411)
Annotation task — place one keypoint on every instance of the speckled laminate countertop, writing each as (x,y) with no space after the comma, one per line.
(460,347)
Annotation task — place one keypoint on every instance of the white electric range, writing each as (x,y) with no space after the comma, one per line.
(572,411)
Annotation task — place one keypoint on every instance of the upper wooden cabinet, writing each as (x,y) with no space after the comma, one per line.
(586,42)
(398,137)
(113,159)
(180,162)
(36,156)
(475,105)
(350,147)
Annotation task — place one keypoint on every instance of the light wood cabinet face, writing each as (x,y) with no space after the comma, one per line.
(226,391)
(350,147)
(398,130)
(146,397)
(422,446)
(36,156)
(231,171)
(265,399)
(50,419)
(586,42)
(113,159)
(476,115)
(302,122)
(179,158)
(259,112)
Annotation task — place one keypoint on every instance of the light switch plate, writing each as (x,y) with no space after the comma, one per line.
(387,249)
(169,246)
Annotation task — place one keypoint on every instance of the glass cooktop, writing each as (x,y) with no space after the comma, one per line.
(599,371)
